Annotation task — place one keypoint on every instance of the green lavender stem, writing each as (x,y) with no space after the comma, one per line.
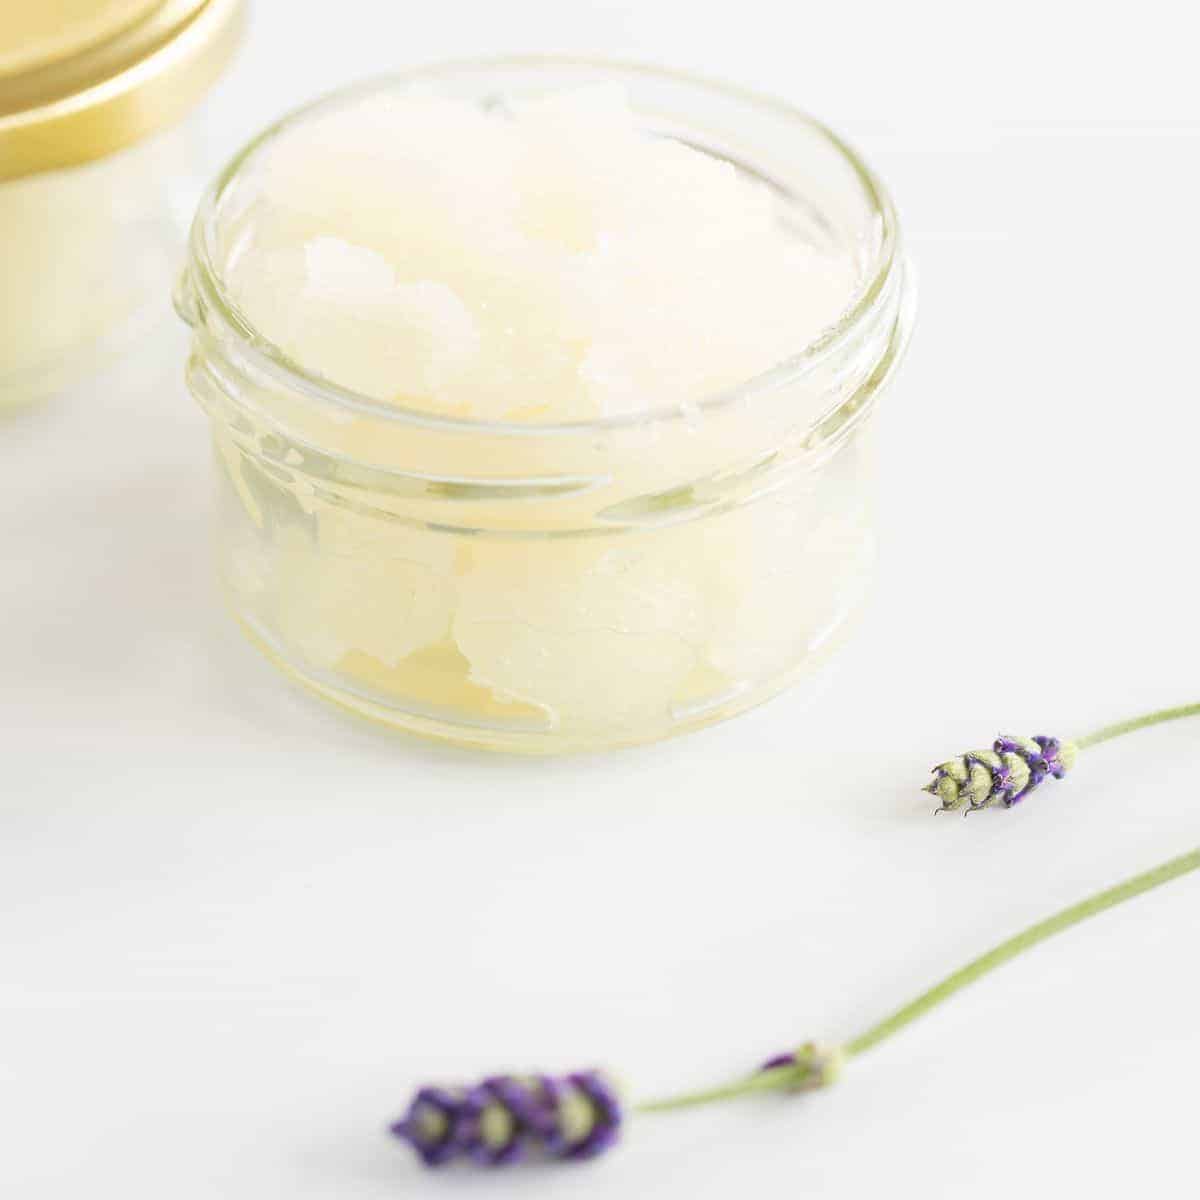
(1108,732)
(788,1076)
(1018,944)
(760,1081)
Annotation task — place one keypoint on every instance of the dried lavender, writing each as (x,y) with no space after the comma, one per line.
(1005,774)
(508,1119)
(1015,766)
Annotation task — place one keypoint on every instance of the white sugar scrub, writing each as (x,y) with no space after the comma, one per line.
(88,255)
(541,393)
(545,260)
(99,165)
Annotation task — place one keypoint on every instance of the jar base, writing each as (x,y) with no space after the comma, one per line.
(813,671)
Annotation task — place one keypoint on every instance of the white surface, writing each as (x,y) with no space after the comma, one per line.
(238,928)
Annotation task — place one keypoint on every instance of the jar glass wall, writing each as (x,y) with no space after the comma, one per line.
(549,587)
(99,173)
(89,252)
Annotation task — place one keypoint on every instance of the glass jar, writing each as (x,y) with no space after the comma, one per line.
(98,173)
(553,587)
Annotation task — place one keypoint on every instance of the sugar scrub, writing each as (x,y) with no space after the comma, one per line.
(539,404)
(88,253)
(543,260)
(98,167)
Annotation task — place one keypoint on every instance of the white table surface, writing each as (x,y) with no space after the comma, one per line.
(237,928)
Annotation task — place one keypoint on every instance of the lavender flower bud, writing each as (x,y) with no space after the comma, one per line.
(816,1066)
(1005,774)
(509,1118)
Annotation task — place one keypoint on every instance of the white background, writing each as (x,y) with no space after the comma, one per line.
(237,928)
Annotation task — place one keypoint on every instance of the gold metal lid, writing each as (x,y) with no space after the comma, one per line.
(82,78)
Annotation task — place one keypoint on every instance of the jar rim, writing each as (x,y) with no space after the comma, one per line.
(885,272)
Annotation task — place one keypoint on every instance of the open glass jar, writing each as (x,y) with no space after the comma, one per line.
(98,167)
(548,587)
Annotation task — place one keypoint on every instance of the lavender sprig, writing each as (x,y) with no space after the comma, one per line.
(1005,774)
(508,1119)
(1015,766)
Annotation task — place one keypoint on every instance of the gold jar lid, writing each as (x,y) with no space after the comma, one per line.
(82,78)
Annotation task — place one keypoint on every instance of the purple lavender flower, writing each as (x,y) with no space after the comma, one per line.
(816,1065)
(1058,756)
(1004,775)
(787,1059)
(432,1125)
(507,1119)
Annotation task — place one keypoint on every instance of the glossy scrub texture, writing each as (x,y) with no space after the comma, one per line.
(536,261)
(554,543)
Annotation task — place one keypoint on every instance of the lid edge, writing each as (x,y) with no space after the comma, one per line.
(138,99)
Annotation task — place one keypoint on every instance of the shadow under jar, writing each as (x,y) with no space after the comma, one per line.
(546,586)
